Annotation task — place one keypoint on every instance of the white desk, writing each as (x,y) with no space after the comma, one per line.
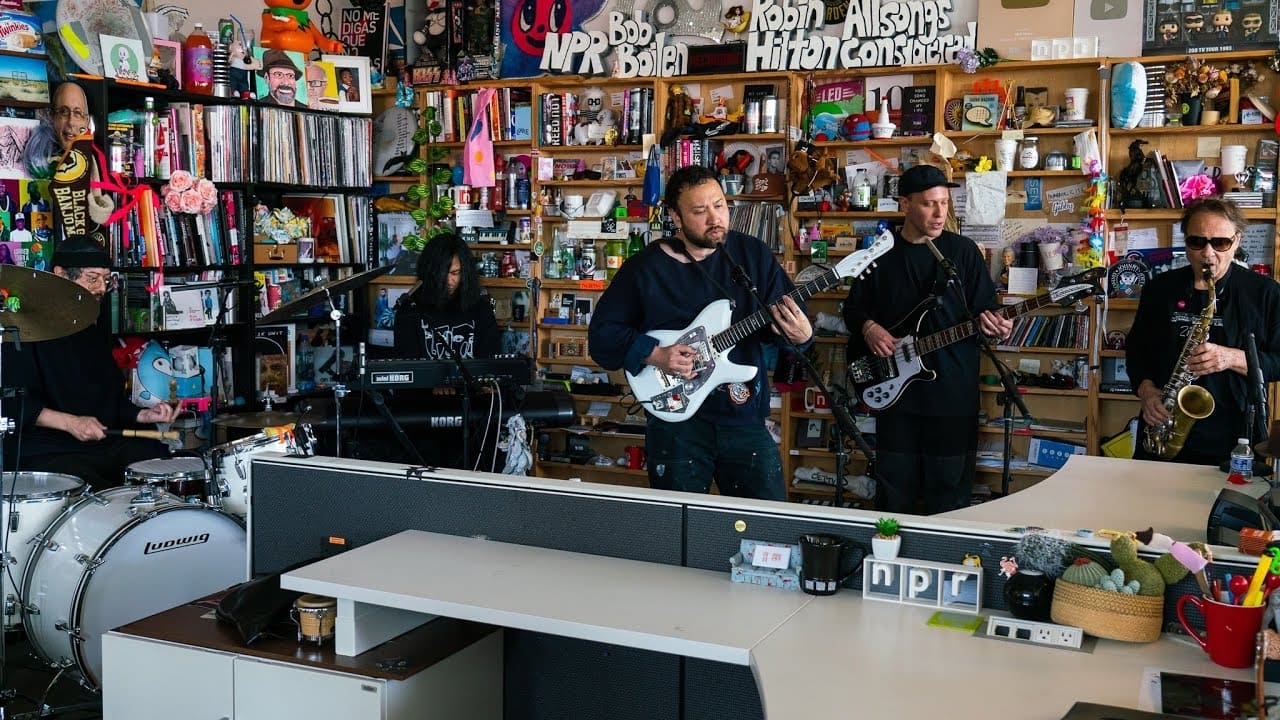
(813,657)
(1100,492)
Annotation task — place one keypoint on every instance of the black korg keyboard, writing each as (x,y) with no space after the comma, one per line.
(428,374)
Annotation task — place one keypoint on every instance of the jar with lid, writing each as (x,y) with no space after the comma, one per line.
(1029,157)
(1056,160)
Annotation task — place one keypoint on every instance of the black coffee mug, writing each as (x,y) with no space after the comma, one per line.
(820,567)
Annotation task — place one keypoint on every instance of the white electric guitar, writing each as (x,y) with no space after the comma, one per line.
(674,398)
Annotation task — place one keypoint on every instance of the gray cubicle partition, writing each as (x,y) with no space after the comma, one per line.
(296,505)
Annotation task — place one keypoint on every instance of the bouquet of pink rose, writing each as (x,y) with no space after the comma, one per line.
(186,194)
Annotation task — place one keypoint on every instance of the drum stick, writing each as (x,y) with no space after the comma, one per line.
(150,434)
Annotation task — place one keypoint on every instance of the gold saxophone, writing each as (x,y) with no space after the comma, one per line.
(1185,401)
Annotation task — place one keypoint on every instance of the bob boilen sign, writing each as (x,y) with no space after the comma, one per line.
(786,35)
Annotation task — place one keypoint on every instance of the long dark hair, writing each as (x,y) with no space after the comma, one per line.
(433,271)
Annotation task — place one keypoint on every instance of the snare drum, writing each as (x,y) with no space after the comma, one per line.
(315,616)
(106,562)
(184,477)
(31,501)
(231,461)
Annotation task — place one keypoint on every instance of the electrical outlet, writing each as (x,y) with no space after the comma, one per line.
(1037,633)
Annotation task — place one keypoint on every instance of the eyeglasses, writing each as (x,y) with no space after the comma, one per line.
(282,74)
(1221,244)
(62,112)
(110,280)
(317,83)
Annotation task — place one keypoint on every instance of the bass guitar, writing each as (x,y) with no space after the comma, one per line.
(880,381)
(674,398)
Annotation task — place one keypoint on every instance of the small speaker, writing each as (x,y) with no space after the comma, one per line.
(1233,511)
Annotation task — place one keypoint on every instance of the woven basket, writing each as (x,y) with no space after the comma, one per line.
(1111,615)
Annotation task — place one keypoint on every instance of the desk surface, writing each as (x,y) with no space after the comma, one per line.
(811,656)
(665,608)
(1100,492)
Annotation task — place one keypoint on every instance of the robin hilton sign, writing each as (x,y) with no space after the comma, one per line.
(781,36)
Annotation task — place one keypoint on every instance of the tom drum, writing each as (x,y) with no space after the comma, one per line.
(105,562)
(31,501)
(184,477)
(231,461)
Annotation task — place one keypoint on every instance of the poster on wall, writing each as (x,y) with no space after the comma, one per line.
(1172,27)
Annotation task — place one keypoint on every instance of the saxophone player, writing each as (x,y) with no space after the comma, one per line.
(1191,329)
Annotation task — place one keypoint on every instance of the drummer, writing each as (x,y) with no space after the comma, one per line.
(75,394)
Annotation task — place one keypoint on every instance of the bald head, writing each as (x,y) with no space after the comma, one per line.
(70,113)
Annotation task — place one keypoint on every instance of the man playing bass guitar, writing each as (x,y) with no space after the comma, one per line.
(926,441)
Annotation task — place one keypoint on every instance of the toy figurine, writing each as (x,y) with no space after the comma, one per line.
(432,39)
(287,26)
(241,65)
(736,19)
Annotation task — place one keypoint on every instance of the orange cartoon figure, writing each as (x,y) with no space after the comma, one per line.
(287,26)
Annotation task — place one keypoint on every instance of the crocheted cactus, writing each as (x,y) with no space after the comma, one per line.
(1084,572)
(1125,551)
(1115,582)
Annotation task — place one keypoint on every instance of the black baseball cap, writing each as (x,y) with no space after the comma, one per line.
(921,178)
(81,251)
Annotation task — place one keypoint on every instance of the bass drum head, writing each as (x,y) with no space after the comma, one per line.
(144,559)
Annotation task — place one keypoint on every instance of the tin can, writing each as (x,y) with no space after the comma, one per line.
(752,117)
(769,115)
(1082,372)
(525,235)
(522,193)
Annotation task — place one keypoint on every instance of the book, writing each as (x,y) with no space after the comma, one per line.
(917,110)
(275,370)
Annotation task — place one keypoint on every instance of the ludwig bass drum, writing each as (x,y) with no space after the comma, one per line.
(31,501)
(105,562)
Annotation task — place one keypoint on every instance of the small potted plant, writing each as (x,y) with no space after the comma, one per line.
(887,541)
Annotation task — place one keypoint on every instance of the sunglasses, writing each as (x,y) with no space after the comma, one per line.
(1221,244)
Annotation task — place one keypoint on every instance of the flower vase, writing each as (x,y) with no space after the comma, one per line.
(1191,109)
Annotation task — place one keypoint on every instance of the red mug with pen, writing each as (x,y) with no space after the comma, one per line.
(1229,630)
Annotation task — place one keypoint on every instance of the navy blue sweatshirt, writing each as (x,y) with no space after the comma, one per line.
(654,291)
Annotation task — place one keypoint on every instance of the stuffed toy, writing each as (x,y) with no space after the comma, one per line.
(679,116)
(241,65)
(286,25)
(810,168)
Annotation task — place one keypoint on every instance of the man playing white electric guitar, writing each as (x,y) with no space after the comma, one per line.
(665,288)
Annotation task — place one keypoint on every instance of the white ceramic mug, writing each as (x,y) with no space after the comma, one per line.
(1233,159)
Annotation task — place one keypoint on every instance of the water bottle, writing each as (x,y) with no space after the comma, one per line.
(861,191)
(1241,462)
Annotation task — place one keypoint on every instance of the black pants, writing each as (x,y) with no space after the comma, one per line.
(924,464)
(103,467)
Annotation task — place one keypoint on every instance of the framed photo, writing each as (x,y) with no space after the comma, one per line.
(170,57)
(354,92)
(15,133)
(322,86)
(123,59)
(24,80)
(280,79)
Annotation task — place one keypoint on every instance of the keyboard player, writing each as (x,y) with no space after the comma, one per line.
(444,312)
(445,308)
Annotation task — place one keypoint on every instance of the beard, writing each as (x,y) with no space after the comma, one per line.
(284,95)
(711,239)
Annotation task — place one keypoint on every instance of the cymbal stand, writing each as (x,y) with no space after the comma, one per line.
(339,387)
(6,426)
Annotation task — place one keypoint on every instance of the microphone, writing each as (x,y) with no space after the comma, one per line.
(946,264)
(1255,367)
(739,275)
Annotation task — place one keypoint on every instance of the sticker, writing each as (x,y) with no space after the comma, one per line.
(739,393)
(740,525)
(1032,187)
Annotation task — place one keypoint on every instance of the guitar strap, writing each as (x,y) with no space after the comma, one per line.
(719,286)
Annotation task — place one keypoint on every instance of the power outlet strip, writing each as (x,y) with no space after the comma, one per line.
(1036,633)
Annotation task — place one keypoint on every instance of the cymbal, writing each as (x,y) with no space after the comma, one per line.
(50,306)
(268,418)
(321,294)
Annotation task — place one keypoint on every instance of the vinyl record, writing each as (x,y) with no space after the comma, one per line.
(951,113)
(80,22)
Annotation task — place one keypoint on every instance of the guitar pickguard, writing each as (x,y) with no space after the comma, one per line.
(674,396)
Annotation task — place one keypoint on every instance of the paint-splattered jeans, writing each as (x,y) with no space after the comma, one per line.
(742,459)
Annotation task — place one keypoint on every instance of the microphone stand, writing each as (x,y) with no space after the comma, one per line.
(1009,396)
(840,403)
(339,388)
(1256,408)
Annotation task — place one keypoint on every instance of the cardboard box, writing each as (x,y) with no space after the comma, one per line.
(264,254)
(1051,453)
